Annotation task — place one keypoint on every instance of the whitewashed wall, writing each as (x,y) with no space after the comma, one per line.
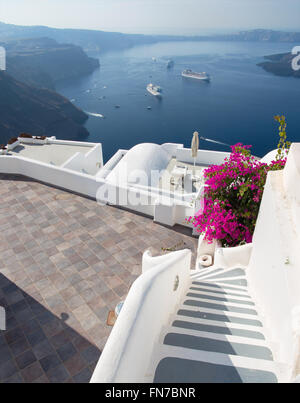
(204,157)
(274,268)
(57,176)
(91,162)
(151,300)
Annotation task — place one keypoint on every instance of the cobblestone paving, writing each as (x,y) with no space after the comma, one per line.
(65,262)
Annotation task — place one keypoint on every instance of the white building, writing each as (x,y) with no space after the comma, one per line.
(236,321)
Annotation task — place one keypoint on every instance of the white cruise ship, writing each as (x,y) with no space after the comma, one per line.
(198,76)
(154,90)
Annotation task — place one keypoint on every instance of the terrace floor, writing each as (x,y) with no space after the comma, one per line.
(65,262)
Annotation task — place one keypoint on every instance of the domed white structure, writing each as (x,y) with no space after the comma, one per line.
(138,164)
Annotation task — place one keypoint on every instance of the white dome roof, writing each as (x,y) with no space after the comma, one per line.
(139,162)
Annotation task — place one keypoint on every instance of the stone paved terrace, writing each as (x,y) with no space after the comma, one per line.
(65,262)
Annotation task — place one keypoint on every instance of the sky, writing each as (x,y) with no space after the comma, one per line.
(155,16)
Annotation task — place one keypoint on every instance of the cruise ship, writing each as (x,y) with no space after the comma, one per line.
(154,90)
(198,76)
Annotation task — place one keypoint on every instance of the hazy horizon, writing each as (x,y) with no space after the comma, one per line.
(169,17)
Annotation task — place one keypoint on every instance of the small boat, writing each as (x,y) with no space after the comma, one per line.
(117,106)
(154,90)
(95,115)
(170,64)
(198,76)
(149,108)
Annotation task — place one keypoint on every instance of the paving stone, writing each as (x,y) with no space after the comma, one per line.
(25,359)
(65,263)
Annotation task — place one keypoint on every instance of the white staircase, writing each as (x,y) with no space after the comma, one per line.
(216,335)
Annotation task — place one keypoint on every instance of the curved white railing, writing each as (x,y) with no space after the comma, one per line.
(152,298)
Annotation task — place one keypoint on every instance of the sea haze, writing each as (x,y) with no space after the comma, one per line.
(237,106)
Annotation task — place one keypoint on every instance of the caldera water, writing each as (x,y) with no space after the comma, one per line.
(238,105)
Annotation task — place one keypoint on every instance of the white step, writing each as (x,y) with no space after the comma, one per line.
(216,301)
(205,272)
(164,351)
(208,314)
(220,285)
(201,272)
(228,325)
(220,291)
(218,311)
(219,294)
(213,274)
(213,336)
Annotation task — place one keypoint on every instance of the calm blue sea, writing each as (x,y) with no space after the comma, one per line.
(237,106)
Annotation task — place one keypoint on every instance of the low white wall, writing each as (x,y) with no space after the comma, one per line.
(57,176)
(204,157)
(88,162)
(53,140)
(111,163)
(148,306)
(238,256)
(274,268)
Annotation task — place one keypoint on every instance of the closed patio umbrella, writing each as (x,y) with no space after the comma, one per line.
(195,147)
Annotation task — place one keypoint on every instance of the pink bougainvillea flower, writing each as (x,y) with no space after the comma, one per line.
(232,197)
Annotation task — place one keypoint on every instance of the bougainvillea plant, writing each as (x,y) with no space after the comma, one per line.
(232,197)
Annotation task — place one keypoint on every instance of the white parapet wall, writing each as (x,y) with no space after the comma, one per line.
(60,176)
(57,176)
(274,267)
(204,157)
(90,162)
(152,298)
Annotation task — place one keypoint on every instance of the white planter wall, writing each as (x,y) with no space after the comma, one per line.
(128,351)
(204,157)
(274,268)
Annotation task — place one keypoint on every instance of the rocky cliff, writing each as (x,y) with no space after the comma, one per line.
(43,62)
(280,65)
(24,108)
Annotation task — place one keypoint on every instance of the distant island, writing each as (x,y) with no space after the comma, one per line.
(280,65)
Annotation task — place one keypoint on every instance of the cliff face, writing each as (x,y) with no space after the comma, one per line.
(37,111)
(87,39)
(280,65)
(43,62)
